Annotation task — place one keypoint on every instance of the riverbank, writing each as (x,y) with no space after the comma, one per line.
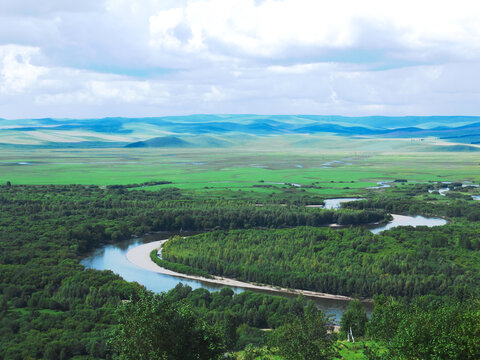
(140,256)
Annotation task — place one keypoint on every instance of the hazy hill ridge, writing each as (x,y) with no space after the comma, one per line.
(224,130)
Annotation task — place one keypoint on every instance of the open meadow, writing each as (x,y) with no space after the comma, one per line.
(320,170)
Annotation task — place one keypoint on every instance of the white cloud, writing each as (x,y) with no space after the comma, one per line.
(297,68)
(169,27)
(159,57)
(17,74)
(272,27)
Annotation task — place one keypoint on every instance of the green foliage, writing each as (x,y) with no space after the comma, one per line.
(3,306)
(229,330)
(247,335)
(155,328)
(305,338)
(256,310)
(360,350)
(403,261)
(386,317)
(56,309)
(354,319)
(252,352)
(52,299)
(51,307)
(428,328)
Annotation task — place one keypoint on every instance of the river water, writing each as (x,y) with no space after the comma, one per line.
(334,204)
(113,257)
(403,220)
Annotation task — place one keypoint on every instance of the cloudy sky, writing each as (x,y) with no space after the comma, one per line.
(95,58)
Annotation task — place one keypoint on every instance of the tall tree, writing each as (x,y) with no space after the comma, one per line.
(155,328)
(305,338)
(354,320)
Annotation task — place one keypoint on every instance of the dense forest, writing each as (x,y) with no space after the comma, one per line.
(96,215)
(197,324)
(428,327)
(52,307)
(403,261)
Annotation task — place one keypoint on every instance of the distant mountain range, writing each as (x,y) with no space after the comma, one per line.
(226,130)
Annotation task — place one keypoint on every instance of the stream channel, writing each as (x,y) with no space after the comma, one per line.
(113,257)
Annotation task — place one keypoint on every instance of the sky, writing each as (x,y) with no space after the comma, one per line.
(135,58)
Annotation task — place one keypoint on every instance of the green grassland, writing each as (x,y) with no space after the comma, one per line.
(332,170)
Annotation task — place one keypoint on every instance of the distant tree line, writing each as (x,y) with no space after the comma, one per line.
(144,184)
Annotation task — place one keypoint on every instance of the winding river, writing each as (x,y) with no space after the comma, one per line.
(114,257)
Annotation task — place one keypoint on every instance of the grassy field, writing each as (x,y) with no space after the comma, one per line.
(214,170)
